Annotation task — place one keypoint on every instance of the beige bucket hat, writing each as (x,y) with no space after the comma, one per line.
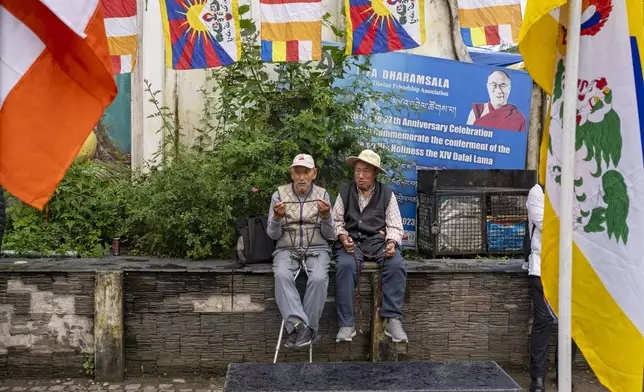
(369,157)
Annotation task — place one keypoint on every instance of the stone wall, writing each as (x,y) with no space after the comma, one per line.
(201,322)
(46,323)
(194,322)
(187,317)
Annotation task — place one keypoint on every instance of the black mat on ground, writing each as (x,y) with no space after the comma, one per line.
(369,377)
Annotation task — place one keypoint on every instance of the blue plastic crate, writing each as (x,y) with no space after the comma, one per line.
(505,235)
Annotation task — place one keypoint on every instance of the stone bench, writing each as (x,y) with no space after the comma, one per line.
(180,316)
(376,377)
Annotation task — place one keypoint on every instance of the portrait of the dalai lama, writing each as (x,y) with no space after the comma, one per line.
(497,112)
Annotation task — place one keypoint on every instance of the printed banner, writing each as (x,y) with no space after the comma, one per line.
(467,117)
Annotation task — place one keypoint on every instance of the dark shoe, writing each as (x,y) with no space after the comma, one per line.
(292,338)
(304,336)
(537,385)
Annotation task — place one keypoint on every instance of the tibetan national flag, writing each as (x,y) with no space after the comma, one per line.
(55,82)
(490,22)
(378,26)
(122,33)
(608,235)
(291,30)
(200,33)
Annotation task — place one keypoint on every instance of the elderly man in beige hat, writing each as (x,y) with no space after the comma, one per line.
(300,221)
(368,226)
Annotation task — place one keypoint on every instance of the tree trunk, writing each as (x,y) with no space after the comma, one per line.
(443,38)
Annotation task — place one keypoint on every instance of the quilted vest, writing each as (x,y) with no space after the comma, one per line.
(366,227)
(301,223)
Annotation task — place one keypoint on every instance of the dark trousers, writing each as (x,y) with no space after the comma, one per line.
(394,277)
(541,328)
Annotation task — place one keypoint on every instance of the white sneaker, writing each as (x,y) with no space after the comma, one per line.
(345,334)
(395,331)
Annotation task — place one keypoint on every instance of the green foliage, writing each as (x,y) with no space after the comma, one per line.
(88,364)
(172,149)
(82,216)
(182,211)
(290,109)
(256,118)
(511,49)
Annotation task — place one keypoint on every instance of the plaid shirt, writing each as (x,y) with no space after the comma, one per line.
(392,216)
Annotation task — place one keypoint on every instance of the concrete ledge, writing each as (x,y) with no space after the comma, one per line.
(147,264)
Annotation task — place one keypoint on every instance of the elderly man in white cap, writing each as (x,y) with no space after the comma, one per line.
(369,226)
(300,221)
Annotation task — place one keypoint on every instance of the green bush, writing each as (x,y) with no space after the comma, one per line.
(254,123)
(181,211)
(83,216)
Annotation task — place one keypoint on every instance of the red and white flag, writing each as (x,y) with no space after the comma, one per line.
(55,82)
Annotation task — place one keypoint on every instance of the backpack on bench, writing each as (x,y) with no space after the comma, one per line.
(254,246)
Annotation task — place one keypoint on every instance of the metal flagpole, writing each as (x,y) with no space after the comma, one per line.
(567,193)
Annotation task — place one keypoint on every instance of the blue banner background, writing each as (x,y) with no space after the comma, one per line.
(444,103)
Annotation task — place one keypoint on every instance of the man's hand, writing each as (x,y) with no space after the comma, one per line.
(347,242)
(279,210)
(391,249)
(324,207)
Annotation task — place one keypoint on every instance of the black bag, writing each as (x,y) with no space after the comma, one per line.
(254,246)
(527,242)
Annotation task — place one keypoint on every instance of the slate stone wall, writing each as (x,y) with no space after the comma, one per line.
(183,323)
(199,322)
(46,324)
(193,321)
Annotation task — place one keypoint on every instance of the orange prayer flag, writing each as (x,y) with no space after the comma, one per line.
(55,82)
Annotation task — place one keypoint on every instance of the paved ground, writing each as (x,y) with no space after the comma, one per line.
(585,381)
(133,385)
